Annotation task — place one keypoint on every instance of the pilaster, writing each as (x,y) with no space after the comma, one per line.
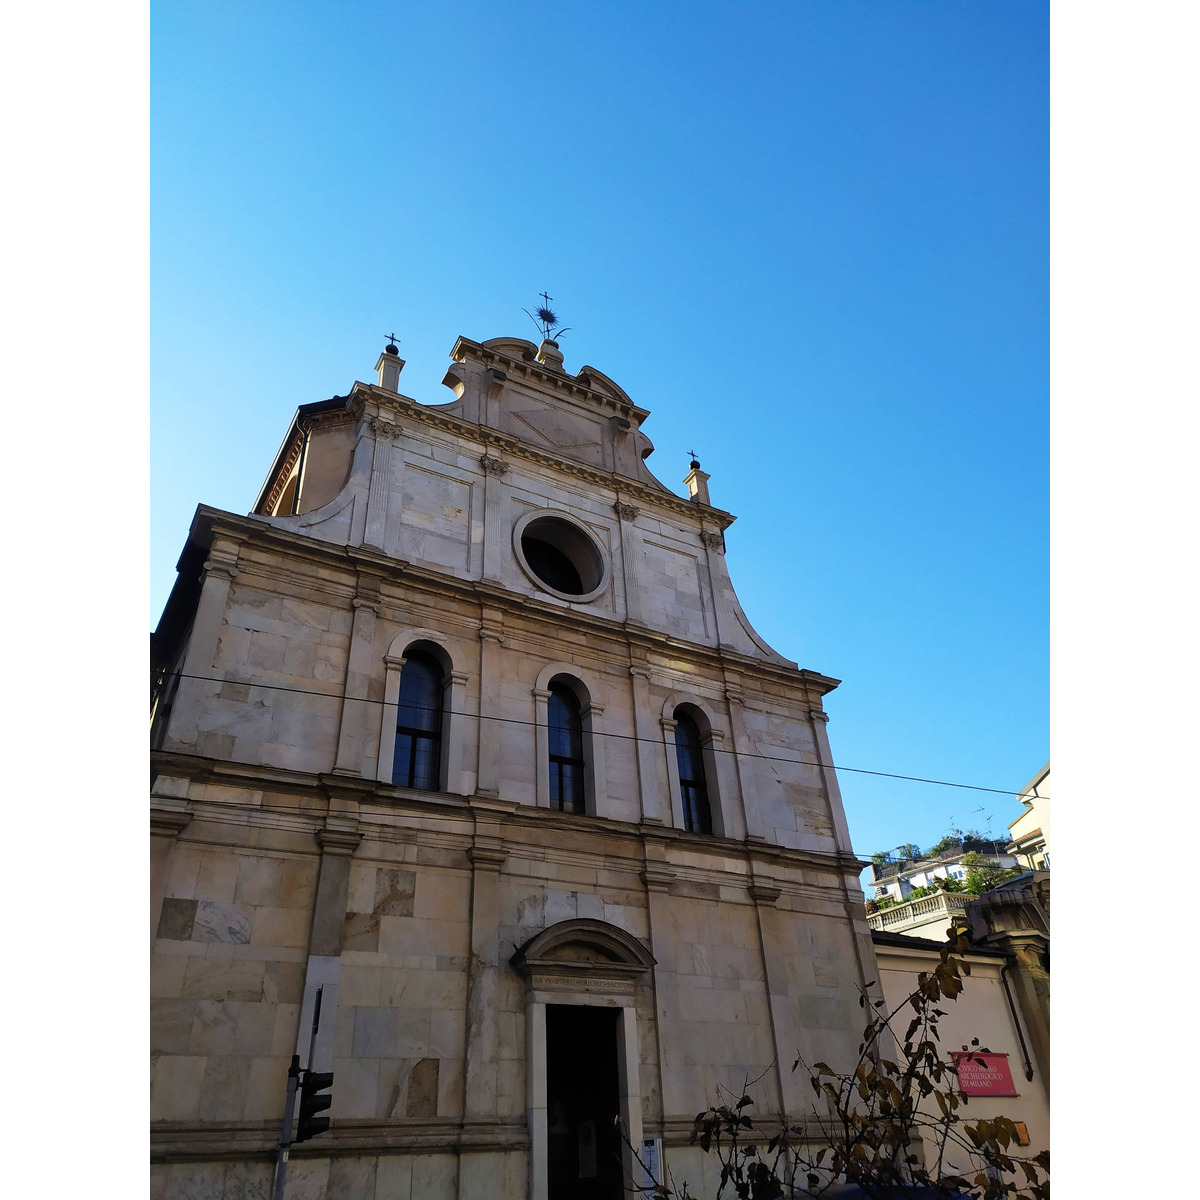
(743,751)
(323,971)
(487,855)
(355,733)
(631,557)
(385,433)
(198,670)
(491,739)
(169,817)
(494,544)
(653,782)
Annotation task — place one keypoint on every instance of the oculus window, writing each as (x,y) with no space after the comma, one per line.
(561,556)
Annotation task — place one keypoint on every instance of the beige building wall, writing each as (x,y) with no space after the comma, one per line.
(983,1011)
(441,925)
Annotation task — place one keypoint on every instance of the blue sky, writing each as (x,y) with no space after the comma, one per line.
(811,238)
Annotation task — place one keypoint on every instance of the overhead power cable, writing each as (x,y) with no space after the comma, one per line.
(627,737)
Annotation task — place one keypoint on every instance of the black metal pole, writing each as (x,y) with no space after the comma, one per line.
(285,1136)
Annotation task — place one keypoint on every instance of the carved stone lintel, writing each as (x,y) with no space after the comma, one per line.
(493,466)
(581,983)
(714,541)
(626,512)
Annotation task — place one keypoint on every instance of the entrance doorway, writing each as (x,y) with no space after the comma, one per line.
(582,1101)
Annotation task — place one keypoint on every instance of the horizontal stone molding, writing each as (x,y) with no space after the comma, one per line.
(179,1141)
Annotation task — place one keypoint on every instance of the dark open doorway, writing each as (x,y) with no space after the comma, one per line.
(582,1102)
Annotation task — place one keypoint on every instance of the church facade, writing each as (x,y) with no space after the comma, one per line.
(463,745)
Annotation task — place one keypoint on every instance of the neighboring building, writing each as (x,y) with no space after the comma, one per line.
(897,881)
(1030,831)
(990,1008)
(464,730)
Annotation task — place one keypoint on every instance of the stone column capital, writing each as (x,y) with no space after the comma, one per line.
(764,891)
(713,541)
(626,512)
(338,841)
(819,714)
(493,466)
(656,878)
(488,858)
(169,822)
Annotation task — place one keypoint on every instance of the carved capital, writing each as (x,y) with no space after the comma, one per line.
(818,714)
(626,512)
(668,724)
(493,466)
(657,879)
(370,605)
(491,635)
(168,822)
(640,673)
(221,568)
(486,857)
(383,428)
(714,541)
(339,841)
(735,696)
(763,891)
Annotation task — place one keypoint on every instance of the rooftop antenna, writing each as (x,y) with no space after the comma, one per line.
(988,819)
(546,320)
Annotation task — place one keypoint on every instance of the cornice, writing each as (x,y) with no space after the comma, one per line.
(419,577)
(379,799)
(514,447)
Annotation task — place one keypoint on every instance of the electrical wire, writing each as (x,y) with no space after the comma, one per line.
(341,696)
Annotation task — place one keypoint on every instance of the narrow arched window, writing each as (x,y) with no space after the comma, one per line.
(417,762)
(693,788)
(566,749)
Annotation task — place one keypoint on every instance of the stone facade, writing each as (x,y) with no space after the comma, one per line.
(449,929)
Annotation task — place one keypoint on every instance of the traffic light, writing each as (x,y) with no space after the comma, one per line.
(312,1102)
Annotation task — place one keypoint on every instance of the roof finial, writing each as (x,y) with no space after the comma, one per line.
(390,348)
(695,463)
(546,319)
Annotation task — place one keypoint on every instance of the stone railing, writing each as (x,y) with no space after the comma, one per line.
(913,913)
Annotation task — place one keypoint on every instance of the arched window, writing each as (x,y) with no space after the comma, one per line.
(417,761)
(693,788)
(566,749)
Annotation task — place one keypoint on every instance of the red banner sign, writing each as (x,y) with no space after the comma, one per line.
(984,1074)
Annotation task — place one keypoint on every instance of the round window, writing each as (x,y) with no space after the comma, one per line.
(561,556)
